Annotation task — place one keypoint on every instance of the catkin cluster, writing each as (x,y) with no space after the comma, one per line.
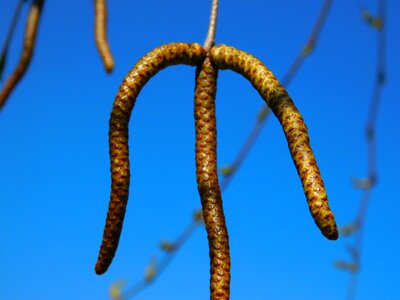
(208,63)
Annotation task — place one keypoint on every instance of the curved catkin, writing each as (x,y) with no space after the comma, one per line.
(27,52)
(148,66)
(101,34)
(278,100)
(207,180)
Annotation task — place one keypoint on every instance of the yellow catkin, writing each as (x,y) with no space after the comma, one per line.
(207,180)
(27,52)
(101,34)
(225,57)
(148,66)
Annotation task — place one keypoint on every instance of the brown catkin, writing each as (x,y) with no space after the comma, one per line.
(225,57)
(148,66)
(101,34)
(207,180)
(27,51)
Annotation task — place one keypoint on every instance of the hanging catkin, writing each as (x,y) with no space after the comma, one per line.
(225,57)
(148,66)
(207,180)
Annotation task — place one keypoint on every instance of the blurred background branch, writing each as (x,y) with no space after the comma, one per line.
(355,230)
(9,36)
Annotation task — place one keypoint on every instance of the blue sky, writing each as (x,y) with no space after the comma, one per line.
(54,165)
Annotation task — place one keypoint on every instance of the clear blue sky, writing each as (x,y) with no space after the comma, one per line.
(54,165)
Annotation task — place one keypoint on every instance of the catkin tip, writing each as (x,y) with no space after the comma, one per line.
(109,67)
(100,270)
(334,236)
(331,234)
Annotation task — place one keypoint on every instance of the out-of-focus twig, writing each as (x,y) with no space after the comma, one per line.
(27,52)
(155,268)
(356,228)
(10,33)
(229,171)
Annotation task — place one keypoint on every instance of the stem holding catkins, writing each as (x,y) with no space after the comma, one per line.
(225,57)
(148,66)
(212,26)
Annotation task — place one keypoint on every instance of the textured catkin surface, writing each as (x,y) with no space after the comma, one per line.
(100,26)
(207,180)
(27,51)
(148,66)
(225,57)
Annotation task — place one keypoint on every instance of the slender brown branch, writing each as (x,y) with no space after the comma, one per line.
(244,151)
(10,33)
(101,35)
(27,52)
(207,180)
(212,26)
(293,125)
(159,267)
(370,133)
(148,66)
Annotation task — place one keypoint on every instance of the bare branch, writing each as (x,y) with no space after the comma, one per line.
(10,33)
(377,23)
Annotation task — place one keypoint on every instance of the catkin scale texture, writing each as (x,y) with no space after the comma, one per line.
(225,57)
(148,66)
(31,28)
(207,180)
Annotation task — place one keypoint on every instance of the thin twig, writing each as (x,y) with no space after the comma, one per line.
(10,33)
(212,26)
(243,152)
(370,133)
(162,265)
